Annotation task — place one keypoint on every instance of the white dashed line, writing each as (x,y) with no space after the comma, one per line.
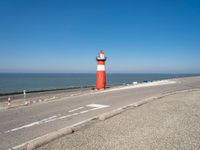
(85,111)
(59,117)
(22,145)
(31,124)
(98,106)
(75,109)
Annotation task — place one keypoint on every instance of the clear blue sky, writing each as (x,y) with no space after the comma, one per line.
(138,36)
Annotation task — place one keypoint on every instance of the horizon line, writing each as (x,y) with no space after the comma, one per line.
(92,73)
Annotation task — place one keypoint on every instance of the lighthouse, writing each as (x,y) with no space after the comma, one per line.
(101,73)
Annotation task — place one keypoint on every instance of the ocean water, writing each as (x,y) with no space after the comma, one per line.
(11,83)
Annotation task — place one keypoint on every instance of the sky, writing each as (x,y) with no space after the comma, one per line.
(64,36)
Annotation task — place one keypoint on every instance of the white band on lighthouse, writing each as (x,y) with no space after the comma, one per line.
(100,67)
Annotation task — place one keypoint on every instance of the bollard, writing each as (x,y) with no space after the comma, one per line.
(9,101)
(25,101)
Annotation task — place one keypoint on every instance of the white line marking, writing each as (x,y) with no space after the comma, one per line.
(85,111)
(75,114)
(94,109)
(31,124)
(63,117)
(21,145)
(59,117)
(75,109)
(18,146)
(98,106)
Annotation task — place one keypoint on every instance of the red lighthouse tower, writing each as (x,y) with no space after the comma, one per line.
(101,74)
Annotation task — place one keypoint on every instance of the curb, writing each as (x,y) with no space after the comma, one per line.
(35,143)
(48,138)
(111,114)
(142,102)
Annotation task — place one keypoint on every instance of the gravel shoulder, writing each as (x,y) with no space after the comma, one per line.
(172,122)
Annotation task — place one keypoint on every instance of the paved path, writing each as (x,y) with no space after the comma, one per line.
(22,124)
(169,123)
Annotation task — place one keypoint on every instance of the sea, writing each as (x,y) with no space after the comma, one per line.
(11,83)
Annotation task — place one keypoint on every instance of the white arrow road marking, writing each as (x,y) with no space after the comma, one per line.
(59,117)
(96,106)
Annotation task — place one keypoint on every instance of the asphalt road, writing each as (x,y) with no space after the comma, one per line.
(19,125)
